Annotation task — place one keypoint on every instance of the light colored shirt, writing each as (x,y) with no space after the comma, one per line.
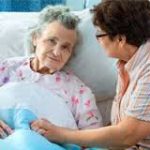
(74,92)
(133,89)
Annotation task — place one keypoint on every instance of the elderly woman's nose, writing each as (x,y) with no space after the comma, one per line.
(56,50)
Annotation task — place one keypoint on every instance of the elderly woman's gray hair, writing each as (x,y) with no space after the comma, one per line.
(49,14)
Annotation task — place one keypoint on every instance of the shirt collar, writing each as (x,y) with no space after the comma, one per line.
(136,58)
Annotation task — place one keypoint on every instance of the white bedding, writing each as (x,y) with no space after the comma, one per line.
(38,100)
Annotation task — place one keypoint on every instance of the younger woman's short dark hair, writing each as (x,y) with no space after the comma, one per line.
(130,18)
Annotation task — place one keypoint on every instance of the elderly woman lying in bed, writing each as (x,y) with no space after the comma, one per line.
(53,40)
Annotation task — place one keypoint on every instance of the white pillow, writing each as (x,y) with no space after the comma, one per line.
(17,97)
(91,3)
(90,63)
(13,29)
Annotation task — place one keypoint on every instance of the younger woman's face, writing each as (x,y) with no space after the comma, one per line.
(110,46)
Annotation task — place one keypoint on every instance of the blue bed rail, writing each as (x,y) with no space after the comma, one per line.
(27,5)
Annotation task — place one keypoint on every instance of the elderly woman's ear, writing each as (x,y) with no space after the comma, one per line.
(34,39)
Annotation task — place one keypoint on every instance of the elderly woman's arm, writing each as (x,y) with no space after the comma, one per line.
(82,103)
(127,133)
(86,112)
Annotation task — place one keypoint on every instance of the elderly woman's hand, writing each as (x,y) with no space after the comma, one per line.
(5,130)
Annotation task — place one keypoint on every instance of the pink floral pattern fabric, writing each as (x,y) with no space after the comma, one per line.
(75,93)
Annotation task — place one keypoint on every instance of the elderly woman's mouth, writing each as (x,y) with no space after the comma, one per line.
(53,59)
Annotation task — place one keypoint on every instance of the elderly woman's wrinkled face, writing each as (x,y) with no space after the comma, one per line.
(54,46)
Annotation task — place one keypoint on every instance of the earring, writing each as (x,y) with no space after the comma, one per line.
(120,39)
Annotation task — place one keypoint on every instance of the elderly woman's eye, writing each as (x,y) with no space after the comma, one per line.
(52,41)
(66,48)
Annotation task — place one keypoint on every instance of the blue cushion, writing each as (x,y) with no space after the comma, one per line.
(17,118)
(27,140)
(23,139)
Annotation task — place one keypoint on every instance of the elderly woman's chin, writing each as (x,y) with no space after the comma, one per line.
(52,67)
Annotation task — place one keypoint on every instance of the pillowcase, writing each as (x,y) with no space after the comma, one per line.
(24,102)
(89,63)
(91,3)
(13,29)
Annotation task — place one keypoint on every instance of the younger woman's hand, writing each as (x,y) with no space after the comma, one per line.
(40,126)
(48,130)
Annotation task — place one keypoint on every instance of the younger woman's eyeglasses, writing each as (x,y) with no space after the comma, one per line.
(101,35)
